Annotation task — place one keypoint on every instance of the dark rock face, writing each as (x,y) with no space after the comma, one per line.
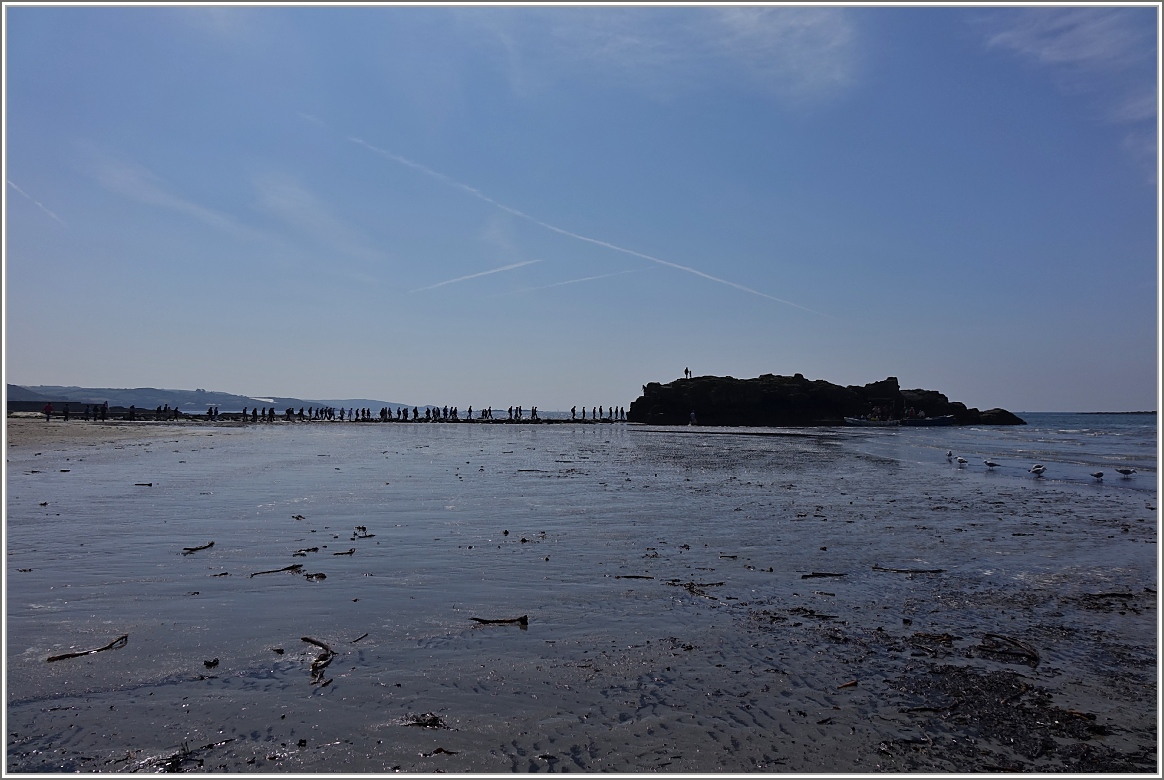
(771,400)
(999,417)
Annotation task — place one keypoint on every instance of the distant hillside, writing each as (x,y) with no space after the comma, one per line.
(186,400)
(18,393)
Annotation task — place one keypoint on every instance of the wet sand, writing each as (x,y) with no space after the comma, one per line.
(32,430)
(742,604)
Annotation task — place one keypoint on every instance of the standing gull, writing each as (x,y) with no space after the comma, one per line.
(1126,472)
(1038,469)
(989,463)
(1098,475)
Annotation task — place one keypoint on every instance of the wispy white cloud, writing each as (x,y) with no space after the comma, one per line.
(793,51)
(509,267)
(1108,54)
(285,198)
(787,51)
(561,284)
(231,24)
(278,195)
(311,118)
(142,185)
(43,207)
(1094,38)
(562,231)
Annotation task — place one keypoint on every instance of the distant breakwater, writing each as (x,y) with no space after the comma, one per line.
(772,400)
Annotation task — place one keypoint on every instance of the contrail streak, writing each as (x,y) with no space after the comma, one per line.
(559,284)
(482,196)
(474,276)
(37,202)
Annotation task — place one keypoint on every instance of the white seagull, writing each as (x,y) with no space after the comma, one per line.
(1098,475)
(961,460)
(1126,472)
(990,464)
(1038,469)
(949,454)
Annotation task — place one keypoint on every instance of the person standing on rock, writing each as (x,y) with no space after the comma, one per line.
(48,412)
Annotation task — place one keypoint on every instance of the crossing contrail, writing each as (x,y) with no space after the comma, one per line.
(509,267)
(34,200)
(562,231)
(559,284)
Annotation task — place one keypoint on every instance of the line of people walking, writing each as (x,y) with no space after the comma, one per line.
(99,412)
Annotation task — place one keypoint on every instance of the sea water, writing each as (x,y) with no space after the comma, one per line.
(633,552)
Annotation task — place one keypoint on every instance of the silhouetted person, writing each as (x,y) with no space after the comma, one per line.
(48,412)
(104,410)
(66,413)
(85,414)
(132,413)
(573,413)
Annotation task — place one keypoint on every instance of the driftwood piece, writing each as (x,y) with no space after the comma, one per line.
(189,550)
(822,574)
(633,577)
(521,621)
(1005,645)
(121,641)
(696,588)
(295,567)
(347,552)
(321,662)
(908,571)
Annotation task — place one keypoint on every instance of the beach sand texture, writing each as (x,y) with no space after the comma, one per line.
(695,603)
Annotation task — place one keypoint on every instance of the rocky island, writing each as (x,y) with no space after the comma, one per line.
(771,400)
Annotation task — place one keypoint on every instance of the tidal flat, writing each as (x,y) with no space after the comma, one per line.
(695,601)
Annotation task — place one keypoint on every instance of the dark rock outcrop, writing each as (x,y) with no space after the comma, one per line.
(772,400)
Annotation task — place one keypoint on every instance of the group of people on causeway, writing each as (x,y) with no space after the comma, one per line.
(97,411)
(331,413)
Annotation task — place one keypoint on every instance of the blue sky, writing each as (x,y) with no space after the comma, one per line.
(554,206)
